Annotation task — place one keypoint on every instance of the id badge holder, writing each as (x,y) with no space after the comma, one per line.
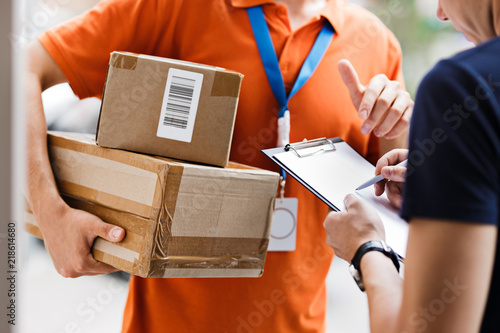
(284,228)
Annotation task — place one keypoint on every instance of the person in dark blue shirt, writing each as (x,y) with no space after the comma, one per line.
(451,196)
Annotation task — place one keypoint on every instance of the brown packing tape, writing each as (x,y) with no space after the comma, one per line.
(211,273)
(84,144)
(173,183)
(163,231)
(215,246)
(116,262)
(33,229)
(211,253)
(226,84)
(198,252)
(211,202)
(123,61)
(94,195)
(235,165)
(236,262)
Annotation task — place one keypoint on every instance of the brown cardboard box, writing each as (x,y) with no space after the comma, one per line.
(169,108)
(181,220)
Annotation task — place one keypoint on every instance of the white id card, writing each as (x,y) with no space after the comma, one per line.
(284,229)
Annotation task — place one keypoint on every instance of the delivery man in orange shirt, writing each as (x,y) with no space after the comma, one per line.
(268,41)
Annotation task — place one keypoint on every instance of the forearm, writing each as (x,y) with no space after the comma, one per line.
(384,289)
(42,193)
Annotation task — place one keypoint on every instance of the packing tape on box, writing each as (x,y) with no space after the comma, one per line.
(171,252)
(123,61)
(223,85)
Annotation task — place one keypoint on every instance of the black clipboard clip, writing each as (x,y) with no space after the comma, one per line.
(323,144)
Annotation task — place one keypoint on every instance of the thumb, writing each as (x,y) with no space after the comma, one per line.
(350,200)
(351,80)
(108,231)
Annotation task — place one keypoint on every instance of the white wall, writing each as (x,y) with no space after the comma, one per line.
(11,166)
(6,157)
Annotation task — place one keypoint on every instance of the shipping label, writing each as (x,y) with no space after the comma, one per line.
(180,105)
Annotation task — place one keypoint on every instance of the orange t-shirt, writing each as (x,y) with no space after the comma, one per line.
(290,296)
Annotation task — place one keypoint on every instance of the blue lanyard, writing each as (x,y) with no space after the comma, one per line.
(270,60)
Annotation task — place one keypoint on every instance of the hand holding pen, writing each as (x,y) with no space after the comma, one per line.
(390,174)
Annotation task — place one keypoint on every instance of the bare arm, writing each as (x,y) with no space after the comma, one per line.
(42,73)
(346,232)
(448,269)
(447,277)
(384,288)
(68,233)
(448,272)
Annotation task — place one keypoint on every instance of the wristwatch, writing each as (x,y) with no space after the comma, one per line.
(380,246)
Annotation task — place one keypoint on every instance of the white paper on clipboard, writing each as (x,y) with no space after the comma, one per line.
(336,173)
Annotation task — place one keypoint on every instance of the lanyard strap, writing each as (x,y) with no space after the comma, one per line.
(270,60)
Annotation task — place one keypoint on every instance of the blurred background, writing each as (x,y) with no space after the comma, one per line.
(52,304)
(423,38)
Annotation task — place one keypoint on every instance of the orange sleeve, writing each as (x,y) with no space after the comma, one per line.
(81,47)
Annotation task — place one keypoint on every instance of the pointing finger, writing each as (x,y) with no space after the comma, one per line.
(351,80)
(370,98)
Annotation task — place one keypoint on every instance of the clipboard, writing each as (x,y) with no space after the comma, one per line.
(331,169)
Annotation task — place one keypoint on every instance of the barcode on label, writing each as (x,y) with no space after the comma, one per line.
(180,105)
(179,101)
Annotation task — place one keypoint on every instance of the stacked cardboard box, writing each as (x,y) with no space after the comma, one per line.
(181,219)
(169,108)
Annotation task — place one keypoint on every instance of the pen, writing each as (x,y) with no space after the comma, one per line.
(378,178)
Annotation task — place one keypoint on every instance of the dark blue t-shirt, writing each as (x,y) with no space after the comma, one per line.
(454,160)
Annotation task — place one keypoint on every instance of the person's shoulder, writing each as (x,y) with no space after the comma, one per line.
(479,61)
(355,14)
(162,7)
(357,11)
(360,21)
(447,74)
(465,68)
(482,52)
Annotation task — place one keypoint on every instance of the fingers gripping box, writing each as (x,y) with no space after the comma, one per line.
(181,219)
(169,108)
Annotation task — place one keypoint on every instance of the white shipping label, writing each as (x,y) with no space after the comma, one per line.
(284,228)
(180,104)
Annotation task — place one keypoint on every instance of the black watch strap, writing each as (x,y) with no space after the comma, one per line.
(379,246)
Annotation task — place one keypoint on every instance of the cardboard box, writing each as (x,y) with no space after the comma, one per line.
(181,220)
(169,108)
